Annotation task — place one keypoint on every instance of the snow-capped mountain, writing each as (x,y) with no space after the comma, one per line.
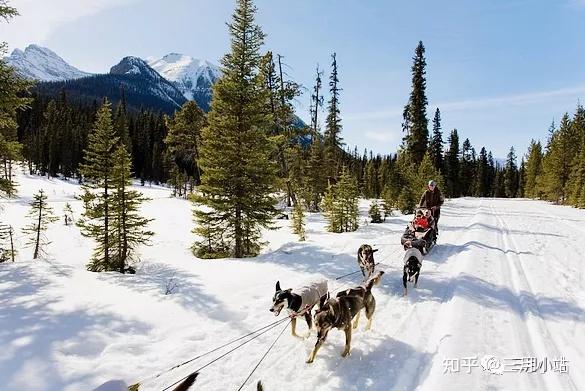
(193,77)
(40,63)
(157,85)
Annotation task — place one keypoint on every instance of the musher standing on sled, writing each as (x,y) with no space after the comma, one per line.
(432,199)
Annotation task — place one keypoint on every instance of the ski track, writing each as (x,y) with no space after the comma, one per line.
(503,280)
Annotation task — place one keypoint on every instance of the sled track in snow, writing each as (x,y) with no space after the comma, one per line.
(538,335)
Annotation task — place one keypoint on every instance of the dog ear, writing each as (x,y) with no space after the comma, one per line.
(374,250)
(323,299)
(278,286)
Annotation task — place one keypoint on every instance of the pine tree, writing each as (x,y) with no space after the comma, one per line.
(129,227)
(481,186)
(467,168)
(576,180)
(436,142)
(97,220)
(182,142)
(41,215)
(68,214)
(452,169)
(521,179)
(533,170)
(374,212)
(511,175)
(415,113)
(556,164)
(238,175)
(298,221)
(13,88)
(340,204)
(7,250)
(332,138)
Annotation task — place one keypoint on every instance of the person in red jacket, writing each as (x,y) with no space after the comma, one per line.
(432,199)
(420,221)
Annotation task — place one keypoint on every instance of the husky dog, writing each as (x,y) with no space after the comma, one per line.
(412,265)
(365,260)
(339,312)
(299,300)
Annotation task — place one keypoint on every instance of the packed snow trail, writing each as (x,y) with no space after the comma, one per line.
(505,280)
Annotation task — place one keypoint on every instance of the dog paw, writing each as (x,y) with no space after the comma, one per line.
(309,360)
(345,353)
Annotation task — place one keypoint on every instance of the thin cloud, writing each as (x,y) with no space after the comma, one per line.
(382,136)
(38,19)
(481,103)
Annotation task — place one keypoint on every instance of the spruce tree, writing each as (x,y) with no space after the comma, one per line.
(239,176)
(97,220)
(7,250)
(340,204)
(129,227)
(415,114)
(183,141)
(298,222)
(332,137)
(41,215)
(68,214)
(481,184)
(12,98)
(436,142)
(556,164)
(374,212)
(533,170)
(467,168)
(511,175)
(452,169)
(576,180)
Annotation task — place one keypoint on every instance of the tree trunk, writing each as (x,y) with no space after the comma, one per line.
(38,230)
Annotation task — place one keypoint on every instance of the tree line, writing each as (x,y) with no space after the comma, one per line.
(237,159)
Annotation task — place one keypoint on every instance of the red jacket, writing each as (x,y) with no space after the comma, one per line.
(421,222)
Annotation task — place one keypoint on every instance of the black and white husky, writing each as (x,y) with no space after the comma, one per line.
(298,301)
(412,264)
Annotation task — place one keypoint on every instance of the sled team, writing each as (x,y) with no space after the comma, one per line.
(343,311)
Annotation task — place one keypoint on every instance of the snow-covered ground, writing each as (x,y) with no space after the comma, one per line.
(506,280)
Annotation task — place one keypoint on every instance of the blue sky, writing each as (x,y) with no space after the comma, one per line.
(500,71)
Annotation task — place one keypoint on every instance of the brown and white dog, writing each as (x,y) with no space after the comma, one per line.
(365,259)
(339,312)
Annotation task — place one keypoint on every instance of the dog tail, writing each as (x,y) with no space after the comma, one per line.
(187,383)
(259,386)
(374,280)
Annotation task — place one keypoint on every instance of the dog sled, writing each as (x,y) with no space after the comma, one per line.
(420,233)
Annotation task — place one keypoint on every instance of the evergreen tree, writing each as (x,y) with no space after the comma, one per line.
(374,212)
(340,204)
(129,227)
(521,179)
(68,214)
(556,163)
(452,170)
(12,88)
(182,141)
(332,138)
(481,187)
(415,113)
(97,220)
(238,175)
(511,175)
(466,168)
(576,180)
(298,221)
(436,142)
(41,215)
(7,250)
(533,170)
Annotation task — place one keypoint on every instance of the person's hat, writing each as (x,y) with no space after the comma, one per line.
(432,183)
